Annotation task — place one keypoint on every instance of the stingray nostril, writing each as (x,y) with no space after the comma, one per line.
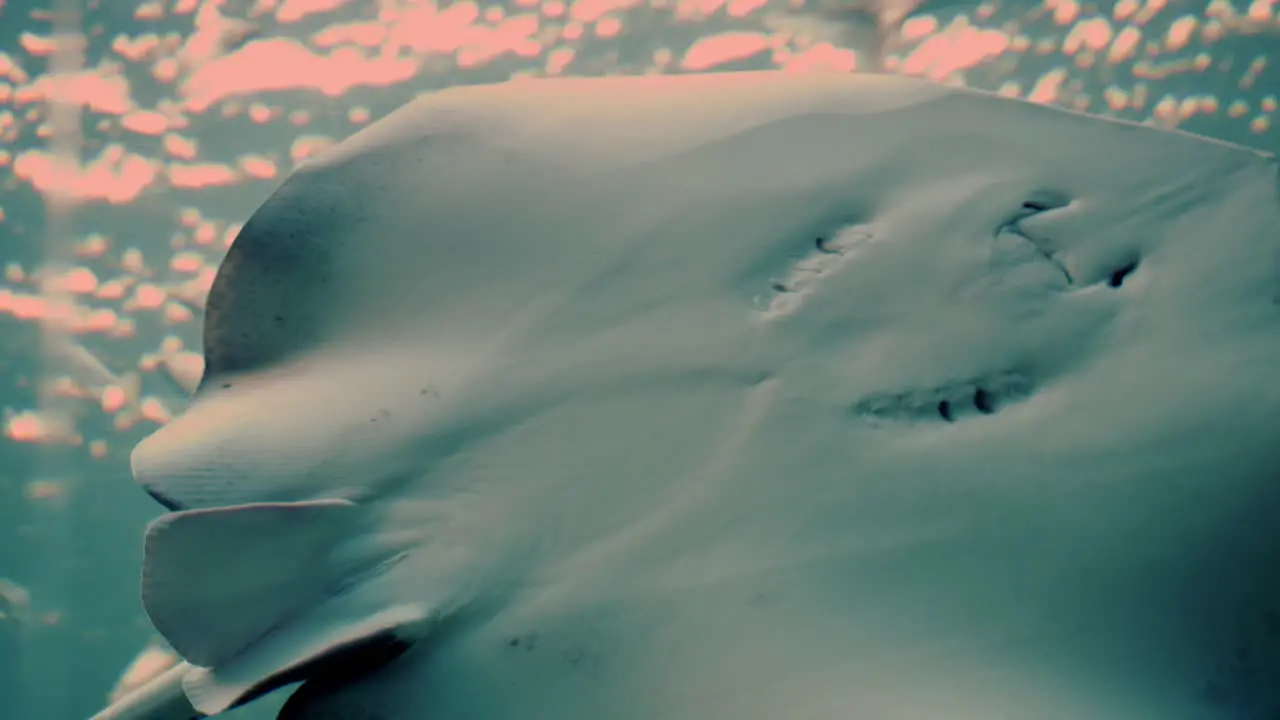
(1122,273)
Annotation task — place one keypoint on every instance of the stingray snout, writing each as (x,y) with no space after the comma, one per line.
(227,450)
(187,464)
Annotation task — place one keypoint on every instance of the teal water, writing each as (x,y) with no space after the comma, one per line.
(182,123)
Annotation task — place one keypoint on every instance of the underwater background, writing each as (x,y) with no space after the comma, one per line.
(136,137)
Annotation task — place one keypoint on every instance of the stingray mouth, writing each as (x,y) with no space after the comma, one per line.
(169,503)
(155,467)
(948,403)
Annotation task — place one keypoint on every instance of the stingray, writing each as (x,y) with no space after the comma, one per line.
(751,395)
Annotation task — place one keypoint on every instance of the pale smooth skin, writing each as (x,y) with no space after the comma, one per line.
(760,396)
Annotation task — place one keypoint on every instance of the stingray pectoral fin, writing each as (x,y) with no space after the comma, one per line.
(161,698)
(216,580)
(329,645)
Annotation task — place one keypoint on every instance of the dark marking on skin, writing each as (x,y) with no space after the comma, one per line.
(581,661)
(574,657)
(271,295)
(528,642)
